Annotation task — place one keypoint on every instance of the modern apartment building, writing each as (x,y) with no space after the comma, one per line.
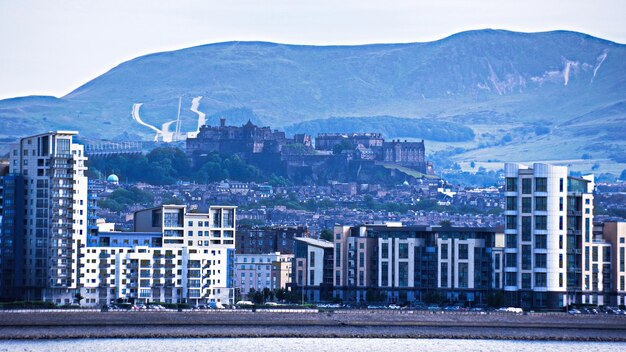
(313,269)
(615,234)
(395,263)
(45,218)
(172,256)
(548,227)
(259,271)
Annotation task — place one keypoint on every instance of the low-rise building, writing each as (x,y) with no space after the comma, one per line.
(259,271)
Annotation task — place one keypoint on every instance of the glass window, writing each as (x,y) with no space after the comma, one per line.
(463,251)
(444,251)
(526,228)
(511,222)
(463,275)
(541,222)
(403,250)
(385,250)
(541,184)
(527,186)
(526,257)
(526,283)
(511,184)
(541,203)
(540,260)
(540,279)
(526,205)
(511,203)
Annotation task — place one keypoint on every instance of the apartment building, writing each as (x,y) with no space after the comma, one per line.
(615,234)
(172,256)
(45,218)
(313,269)
(548,217)
(395,263)
(259,271)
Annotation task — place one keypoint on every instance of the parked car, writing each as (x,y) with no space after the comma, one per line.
(574,311)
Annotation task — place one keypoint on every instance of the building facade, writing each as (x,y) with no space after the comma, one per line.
(46,225)
(549,225)
(399,264)
(269,239)
(259,271)
(615,234)
(172,256)
(313,269)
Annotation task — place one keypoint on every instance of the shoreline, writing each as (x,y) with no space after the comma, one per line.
(349,324)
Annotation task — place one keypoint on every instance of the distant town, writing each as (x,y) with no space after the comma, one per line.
(242,215)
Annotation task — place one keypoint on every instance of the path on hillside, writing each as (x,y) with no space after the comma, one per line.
(195,103)
(137,118)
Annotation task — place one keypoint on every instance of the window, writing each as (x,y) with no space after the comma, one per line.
(541,203)
(511,240)
(526,283)
(403,271)
(337,254)
(511,184)
(541,184)
(540,279)
(527,204)
(444,274)
(463,275)
(403,250)
(511,222)
(444,251)
(361,260)
(384,271)
(527,186)
(511,203)
(526,257)
(526,228)
(541,222)
(540,260)
(510,279)
(311,259)
(463,251)
(510,260)
(560,185)
(560,203)
(384,250)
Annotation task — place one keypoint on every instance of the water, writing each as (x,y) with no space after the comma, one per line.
(299,344)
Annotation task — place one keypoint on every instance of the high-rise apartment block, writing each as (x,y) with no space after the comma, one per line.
(46,217)
(548,234)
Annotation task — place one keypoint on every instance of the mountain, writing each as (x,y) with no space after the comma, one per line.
(505,86)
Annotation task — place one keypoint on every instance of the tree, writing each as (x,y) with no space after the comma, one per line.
(326,234)
(623,175)
(344,145)
(445,223)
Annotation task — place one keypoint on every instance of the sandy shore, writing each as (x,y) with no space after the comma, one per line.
(371,324)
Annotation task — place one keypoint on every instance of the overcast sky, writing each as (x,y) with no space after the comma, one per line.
(50,47)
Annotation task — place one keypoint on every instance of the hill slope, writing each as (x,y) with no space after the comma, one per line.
(496,82)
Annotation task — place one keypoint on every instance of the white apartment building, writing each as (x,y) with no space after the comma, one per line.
(54,208)
(172,256)
(259,271)
(548,223)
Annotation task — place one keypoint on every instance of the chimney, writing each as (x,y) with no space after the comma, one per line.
(222,122)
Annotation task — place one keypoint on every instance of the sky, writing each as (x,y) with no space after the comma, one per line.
(51,47)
